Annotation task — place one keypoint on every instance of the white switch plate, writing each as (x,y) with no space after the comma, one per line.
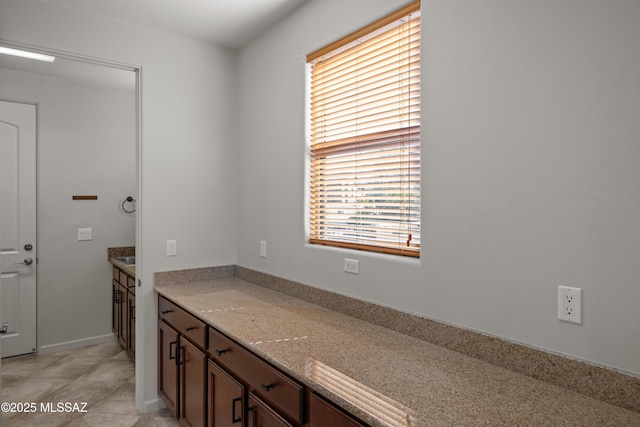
(352,266)
(570,304)
(84,234)
(263,249)
(171,248)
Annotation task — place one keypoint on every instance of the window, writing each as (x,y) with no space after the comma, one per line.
(365,138)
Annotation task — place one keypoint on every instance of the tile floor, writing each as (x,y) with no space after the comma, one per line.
(101,375)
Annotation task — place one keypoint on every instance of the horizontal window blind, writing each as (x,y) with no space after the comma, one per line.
(365,138)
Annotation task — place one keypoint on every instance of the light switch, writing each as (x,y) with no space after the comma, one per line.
(84,234)
(171,248)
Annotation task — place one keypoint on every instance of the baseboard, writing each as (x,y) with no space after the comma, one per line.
(68,345)
(152,405)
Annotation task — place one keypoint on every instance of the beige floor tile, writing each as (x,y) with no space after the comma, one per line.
(121,401)
(102,375)
(161,418)
(29,389)
(39,419)
(104,351)
(104,420)
(110,371)
(123,355)
(26,365)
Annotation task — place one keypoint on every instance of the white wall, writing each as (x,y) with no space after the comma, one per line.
(86,146)
(188,145)
(530,169)
(531,130)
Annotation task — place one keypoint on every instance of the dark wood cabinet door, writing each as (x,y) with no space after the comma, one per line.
(115,307)
(123,332)
(131,322)
(322,414)
(260,415)
(226,399)
(167,367)
(193,375)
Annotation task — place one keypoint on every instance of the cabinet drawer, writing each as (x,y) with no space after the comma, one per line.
(116,274)
(265,381)
(131,284)
(186,324)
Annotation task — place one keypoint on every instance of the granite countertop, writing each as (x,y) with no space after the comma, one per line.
(129,269)
(122,251)
(382,376)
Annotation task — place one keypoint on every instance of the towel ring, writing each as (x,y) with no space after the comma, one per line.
(133,203)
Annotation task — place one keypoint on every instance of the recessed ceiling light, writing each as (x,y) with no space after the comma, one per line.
(26,54)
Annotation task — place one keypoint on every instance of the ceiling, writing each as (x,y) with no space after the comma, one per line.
(229,23)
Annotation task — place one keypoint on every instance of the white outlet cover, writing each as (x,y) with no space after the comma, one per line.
(171,248)
(570,304)
(352,266)
(263,249)
(84,234)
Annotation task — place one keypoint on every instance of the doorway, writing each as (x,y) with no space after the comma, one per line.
(87,145)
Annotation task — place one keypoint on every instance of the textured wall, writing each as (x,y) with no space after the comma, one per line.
(530,177)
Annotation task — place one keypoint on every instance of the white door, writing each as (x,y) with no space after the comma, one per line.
(17,228)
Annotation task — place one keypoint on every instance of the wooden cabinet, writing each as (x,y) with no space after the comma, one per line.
(186,324)
(181,342)
(123,329)
(168,366)
(123,309)
(115,307)
(261,415)
(272,386)
(192,381)
(118,308)
(228,385)
(226,400)
(131,316)
(323,413)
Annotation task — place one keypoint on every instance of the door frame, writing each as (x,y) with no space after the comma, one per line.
(137,69)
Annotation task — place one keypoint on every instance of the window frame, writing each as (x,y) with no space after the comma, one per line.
(412,249)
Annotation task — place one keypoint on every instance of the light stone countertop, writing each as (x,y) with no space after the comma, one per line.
(381,376)
(129,269)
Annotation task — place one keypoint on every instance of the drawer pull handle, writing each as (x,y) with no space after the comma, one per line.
(233,410)
(221,352)
(165,312)
(267,387)
(190,328)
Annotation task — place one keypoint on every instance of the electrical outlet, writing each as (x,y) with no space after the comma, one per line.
(263,249)
(351,266)
(570,304)
(172,248)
